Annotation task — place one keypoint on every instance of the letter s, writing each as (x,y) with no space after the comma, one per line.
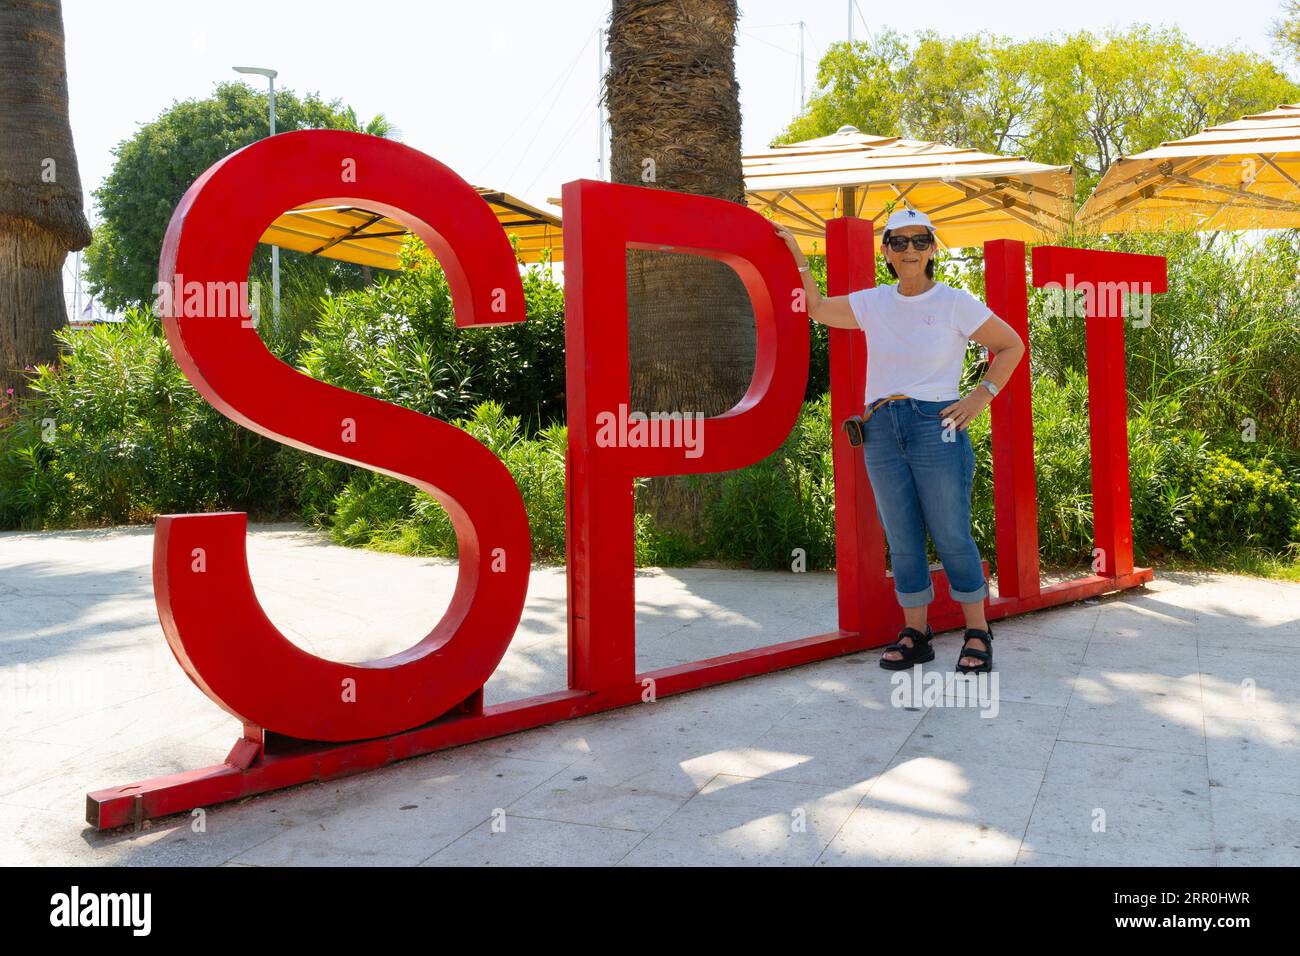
(213,621)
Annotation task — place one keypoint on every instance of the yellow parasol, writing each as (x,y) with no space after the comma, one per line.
(970,196)
(1241,175)
(353,234)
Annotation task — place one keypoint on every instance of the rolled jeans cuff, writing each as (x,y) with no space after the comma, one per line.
(970,597)
(915,598)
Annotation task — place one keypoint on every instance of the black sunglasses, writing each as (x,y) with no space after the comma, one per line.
(920,242)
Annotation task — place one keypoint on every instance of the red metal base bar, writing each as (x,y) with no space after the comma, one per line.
(255,767)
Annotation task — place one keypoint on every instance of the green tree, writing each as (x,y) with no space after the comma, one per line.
(156,165)
(1123,92)
(1083,99)
(1287,30)
(858,84)
(981,90)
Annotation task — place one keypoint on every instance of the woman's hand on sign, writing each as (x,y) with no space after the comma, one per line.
(793,245)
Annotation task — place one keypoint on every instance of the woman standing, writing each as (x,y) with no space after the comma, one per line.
(918,453)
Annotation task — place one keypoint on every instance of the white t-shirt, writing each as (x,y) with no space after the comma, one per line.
(916,343)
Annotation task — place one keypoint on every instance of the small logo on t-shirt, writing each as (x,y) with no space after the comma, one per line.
(929,320)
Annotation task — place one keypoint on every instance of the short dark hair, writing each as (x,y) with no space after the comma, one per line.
(929,266)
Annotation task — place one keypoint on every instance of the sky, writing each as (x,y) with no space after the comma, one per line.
(504,91)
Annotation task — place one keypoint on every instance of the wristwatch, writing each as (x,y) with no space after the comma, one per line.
(990,386)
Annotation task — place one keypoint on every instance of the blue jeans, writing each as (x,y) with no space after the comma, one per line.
(921,481)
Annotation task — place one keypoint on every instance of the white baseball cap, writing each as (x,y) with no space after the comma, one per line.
(908,217)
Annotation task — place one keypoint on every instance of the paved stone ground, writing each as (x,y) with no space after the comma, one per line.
(1127,730)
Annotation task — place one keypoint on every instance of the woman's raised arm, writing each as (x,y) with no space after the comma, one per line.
(835,310)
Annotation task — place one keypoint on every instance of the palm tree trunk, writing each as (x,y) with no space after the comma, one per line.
(31,300)
(674,111)
(41,218)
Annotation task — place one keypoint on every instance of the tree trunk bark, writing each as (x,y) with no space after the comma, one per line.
(674,112)
(41,219)
(31,300)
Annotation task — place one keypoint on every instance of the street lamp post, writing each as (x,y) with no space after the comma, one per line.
(275,250)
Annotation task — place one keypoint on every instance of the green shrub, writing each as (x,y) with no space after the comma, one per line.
(1168,467)
(397,340)
(1234,505)
(1224,340)
(116,434)
(388,514)
(759,515)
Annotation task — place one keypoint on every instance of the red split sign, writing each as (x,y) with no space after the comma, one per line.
(299,721)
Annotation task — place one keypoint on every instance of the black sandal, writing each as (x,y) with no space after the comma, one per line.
(918,653)
(985,657)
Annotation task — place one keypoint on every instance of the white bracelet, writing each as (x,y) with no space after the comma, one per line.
(990,386)
(805,268)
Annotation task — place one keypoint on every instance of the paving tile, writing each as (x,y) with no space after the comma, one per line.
(1013,735)
(1028,857)
(1127,768)
(745,821)
(1272,697)
(819,755)
(1035,669)
(619,791)
(1105,824)
(1255,827)
(1106,709)
(1130,684)
(416,809)
(1254,754)
(523,841)
(927,811)
(1146,654)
